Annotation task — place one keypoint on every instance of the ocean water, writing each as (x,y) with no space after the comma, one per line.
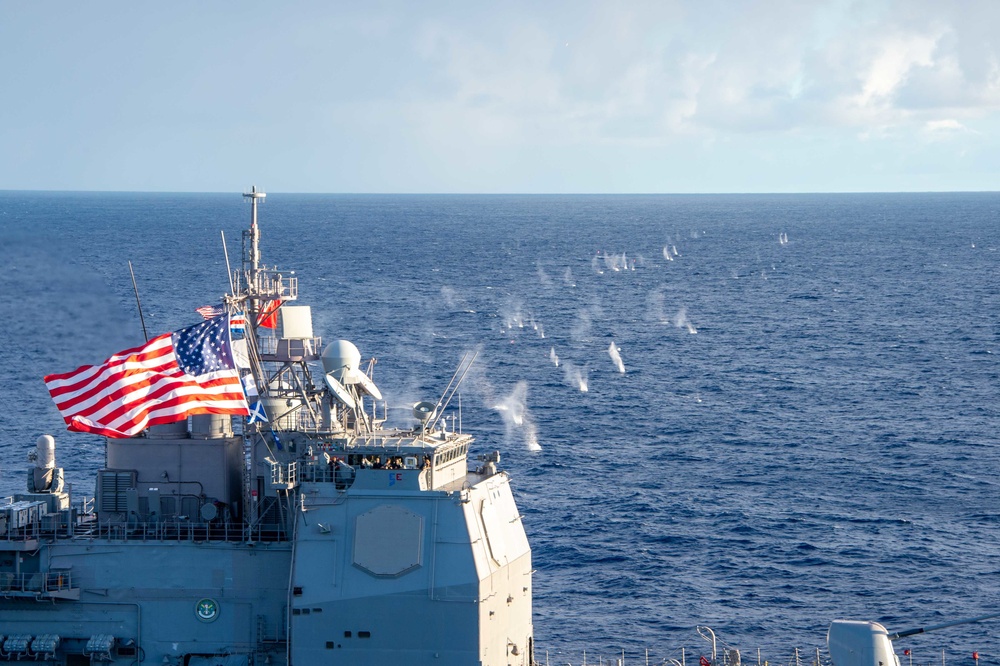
(805,428)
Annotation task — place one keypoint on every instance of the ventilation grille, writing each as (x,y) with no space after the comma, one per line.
(111,487)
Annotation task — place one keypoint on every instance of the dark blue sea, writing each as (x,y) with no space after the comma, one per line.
(806,427)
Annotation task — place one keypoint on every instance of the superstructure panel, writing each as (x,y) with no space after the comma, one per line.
(170,598)
(403,573)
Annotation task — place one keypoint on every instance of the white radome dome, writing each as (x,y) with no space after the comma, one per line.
(341,359)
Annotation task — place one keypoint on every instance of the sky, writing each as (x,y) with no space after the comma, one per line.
(670,96)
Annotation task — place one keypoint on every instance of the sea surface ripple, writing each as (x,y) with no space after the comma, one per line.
(805,428)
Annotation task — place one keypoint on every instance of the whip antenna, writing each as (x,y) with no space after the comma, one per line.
(229,271)
(142,320)
(446,397)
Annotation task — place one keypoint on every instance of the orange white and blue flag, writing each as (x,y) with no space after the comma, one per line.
(238,325)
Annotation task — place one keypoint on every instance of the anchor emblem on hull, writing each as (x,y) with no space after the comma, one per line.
(206,610)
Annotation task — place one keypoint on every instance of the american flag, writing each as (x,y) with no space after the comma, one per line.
(190,371)
(210,311)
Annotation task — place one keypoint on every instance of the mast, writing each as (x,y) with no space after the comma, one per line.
(251,256)
(254,258)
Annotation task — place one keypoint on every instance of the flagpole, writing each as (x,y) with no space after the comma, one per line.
(142,320)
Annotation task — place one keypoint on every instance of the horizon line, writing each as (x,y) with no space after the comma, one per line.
(487,194)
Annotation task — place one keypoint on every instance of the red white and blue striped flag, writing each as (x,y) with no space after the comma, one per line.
(174,375)
(238,325)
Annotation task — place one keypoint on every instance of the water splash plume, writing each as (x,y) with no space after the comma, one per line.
(516,419)
(576,377)
(568,277)
(681,321)
(543,277)
(613,352)
(448,296)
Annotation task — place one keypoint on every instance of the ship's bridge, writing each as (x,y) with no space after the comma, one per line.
(391,459)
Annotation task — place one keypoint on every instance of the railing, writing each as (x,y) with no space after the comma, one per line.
(35,530)
(272,284)
(179,530)
(708,655)
(647,657)
(729,656)
(319,473)
(270,345)
(167,530)
(37,583)
(284,475)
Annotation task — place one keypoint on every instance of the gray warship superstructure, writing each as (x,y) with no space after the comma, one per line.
(317,536)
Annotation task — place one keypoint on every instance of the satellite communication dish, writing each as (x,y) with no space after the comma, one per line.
(423,410)
(340,391)
(366,384)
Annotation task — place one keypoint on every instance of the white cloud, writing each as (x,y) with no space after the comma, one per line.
(944,130)
(889,69)
(943,125)
(649,74)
